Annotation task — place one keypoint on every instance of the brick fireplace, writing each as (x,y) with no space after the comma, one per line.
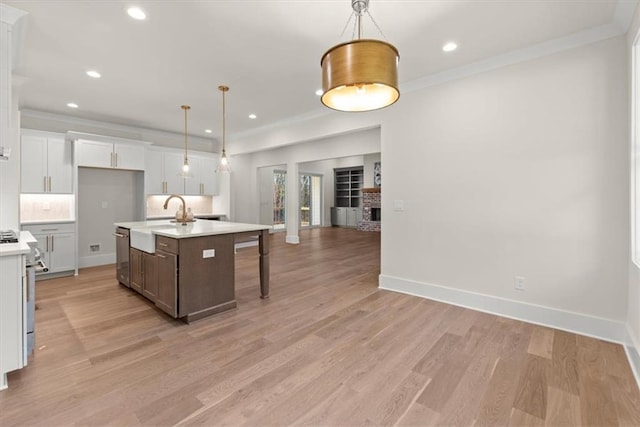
(371,203)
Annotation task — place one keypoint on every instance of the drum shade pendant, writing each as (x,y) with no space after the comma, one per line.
(223,166)
(185,164)
(360,75)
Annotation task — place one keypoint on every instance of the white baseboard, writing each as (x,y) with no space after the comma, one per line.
(605,329)
(632,348)
(294,240)
(96,260)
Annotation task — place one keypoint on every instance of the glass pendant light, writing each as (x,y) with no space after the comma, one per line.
(185,165)
(223,166)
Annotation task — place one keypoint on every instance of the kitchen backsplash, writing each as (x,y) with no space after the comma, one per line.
(47,207)
(198,204)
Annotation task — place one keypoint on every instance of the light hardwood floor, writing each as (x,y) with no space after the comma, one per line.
(328,348)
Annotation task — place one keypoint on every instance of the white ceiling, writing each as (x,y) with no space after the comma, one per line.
(268,52)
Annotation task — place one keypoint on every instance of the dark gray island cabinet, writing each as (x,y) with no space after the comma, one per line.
(189,271)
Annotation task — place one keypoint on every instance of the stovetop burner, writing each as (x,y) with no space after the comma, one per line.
(8,236)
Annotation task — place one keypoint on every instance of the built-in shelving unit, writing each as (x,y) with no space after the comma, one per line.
(348,187)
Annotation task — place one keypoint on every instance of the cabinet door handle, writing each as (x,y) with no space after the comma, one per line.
(47,244)
(49,229)
(45,184)
(111,162)
(116,159)
(163,244)
(160,256)
(52,243)
(49,183)
(118,234)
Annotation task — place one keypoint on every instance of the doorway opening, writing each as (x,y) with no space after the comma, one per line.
(310,200)
(279,199)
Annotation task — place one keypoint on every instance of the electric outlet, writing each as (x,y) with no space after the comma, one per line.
(94,248)
(104,205)
(398,205)
(518,283)
(208,253)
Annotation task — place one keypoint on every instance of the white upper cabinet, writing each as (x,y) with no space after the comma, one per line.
(113,155)
(162,172)
(203,180)
(46,164)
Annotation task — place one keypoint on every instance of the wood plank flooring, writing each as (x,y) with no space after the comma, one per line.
(328,348)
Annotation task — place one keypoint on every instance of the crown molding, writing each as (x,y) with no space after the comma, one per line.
(623,16)
(10,15)
(131,132)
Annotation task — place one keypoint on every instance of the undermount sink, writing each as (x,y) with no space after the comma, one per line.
(144,238)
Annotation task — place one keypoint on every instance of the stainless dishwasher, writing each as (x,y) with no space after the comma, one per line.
(122,256)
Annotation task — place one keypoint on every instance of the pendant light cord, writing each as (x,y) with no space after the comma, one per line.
(224,122)
(185,108)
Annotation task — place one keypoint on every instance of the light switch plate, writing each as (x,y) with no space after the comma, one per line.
(208,253)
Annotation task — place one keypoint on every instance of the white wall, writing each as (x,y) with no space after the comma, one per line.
(633,308)
(106,196)
(522,170)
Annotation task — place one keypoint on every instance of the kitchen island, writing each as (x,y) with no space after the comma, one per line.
(187,270)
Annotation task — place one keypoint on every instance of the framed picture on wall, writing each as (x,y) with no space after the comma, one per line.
(377,179)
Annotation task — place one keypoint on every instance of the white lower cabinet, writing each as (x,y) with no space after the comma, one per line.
(354,216)
(11,315)
(57,241)
(346,217)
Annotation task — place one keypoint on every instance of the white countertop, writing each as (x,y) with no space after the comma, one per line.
(192,229)
(20,248)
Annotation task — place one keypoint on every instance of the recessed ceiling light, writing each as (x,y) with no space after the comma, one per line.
(94,74)
(252,116)
(208,130)
(450,47)
(136,13)
(319,92)
(72,105)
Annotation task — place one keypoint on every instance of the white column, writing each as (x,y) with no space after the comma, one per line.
(9,123)
(293,204)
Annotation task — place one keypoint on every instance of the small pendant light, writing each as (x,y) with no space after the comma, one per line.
(223,166)
(185,164)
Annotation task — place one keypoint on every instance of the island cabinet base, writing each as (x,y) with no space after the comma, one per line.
(206,276)
(209,311)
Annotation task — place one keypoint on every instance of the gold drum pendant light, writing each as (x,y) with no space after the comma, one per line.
(224,162)
(360,75)
(185,164)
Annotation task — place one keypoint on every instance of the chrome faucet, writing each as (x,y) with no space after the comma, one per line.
(183,220)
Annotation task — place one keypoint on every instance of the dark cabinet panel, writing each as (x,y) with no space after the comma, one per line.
(150,272)
(207,274)
(167,292)
(136,274)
